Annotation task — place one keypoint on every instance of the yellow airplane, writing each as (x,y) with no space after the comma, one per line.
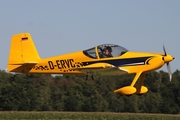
(105,59)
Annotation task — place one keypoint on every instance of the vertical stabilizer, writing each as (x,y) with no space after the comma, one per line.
(22,50)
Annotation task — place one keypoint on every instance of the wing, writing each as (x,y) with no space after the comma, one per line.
(102,69)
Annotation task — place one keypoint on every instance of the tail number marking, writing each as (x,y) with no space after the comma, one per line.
(62,64)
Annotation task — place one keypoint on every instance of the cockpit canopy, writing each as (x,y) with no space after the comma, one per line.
(105,51)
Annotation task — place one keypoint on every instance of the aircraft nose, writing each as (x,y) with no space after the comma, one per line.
(168,58)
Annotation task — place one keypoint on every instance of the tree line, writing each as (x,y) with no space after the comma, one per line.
(44,92)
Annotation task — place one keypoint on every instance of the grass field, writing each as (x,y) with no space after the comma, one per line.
(86,116)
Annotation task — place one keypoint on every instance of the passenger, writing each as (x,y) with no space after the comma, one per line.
(107,52)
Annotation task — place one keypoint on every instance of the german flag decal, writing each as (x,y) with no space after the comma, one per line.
(24,39)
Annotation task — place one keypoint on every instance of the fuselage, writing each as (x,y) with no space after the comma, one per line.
(131,62)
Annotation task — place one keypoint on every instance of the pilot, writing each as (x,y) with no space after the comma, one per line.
(107,52)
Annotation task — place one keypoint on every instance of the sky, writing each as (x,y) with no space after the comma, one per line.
(63,26)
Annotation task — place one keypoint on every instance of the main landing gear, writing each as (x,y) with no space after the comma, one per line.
(87,76)
(129,90)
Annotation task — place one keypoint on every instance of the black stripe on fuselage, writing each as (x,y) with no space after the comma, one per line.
(121,61)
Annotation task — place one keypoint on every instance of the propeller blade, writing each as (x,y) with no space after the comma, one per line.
(169,71)
(164,50)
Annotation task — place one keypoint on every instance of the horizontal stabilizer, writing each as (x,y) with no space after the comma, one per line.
(22,63)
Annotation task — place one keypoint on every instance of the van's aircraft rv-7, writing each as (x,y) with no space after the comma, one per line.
(106,59)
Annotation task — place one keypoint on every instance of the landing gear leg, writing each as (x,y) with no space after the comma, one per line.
(87,77)
(142,79)
(92,77)
(140,89)
(135,79)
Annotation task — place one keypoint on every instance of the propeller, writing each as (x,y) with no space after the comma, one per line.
(165,54)
(167,64)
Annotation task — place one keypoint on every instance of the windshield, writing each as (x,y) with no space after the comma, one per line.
(90,52)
